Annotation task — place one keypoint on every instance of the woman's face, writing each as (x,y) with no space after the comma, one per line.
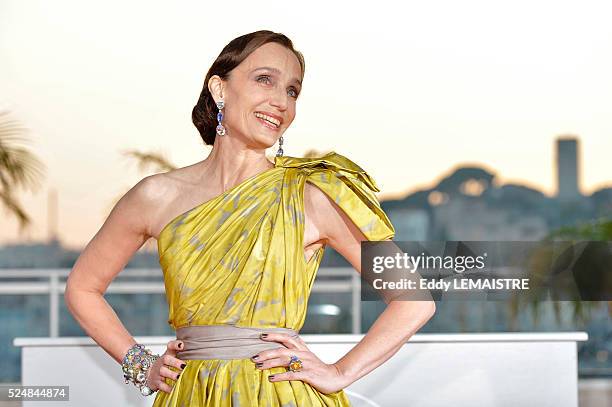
(260,95)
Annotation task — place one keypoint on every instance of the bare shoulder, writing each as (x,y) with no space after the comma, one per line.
(143,198)
(165,191)
(154,194)
(123,232)
(151,190)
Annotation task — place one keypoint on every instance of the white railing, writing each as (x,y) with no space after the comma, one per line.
(460,370)
(53,283)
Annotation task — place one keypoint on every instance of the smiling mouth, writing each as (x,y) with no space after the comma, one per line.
(268,121)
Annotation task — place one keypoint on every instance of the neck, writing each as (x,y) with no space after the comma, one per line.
(226,167)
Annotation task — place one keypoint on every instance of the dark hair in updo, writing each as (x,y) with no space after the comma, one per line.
(204,114)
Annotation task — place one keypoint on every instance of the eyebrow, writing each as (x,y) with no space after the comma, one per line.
(277,71)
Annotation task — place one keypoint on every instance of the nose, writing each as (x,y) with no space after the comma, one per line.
(278,99)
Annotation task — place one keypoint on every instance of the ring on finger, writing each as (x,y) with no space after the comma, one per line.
(295,364)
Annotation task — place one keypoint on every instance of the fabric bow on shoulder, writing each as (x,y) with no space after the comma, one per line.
(349,186)
(331,160)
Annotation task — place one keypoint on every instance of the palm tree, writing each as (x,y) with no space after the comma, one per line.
(595,230)
(155,160)
(19,168)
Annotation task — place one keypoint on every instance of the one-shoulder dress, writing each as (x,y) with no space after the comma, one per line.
(238,259)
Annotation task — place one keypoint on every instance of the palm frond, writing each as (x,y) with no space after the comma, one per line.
(150,159)
(19,167)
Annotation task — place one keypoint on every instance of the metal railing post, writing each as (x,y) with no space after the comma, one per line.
(356,302)
(53,304)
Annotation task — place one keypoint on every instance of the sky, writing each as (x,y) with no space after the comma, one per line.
(407,90)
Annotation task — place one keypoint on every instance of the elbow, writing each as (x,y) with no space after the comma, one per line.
(71,294)
(77,292)
(428,310)
(68,295)
(431,309)
(422,312)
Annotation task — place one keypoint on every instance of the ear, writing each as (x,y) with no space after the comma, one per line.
(216,87)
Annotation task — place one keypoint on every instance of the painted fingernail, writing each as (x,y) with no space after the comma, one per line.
(264,335)
(178,375)
(259,364)
(183,365)
(271,377)
(180,345)
(255,357)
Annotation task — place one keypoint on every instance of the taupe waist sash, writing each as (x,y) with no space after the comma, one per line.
(225,341)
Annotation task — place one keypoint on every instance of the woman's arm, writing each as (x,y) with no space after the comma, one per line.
(399,321)
(122,234)
(125,230)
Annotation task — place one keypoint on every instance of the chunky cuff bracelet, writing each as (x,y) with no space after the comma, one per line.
(136,363)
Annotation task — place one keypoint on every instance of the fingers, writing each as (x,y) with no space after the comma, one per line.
(291,342)
(166,372)
(170,360)
(278,357)
(174,346)
(170,374)
(269,363)
(289,375)
(163,386)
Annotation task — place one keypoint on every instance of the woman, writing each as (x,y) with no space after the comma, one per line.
(240,242)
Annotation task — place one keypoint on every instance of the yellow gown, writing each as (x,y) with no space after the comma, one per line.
(238,259)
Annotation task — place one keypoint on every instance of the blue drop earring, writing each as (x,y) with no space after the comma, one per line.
(220,128)
(279,153)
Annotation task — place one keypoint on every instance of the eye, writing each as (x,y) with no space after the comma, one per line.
(293,93)
(266,79)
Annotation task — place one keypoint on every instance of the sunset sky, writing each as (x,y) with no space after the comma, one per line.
(407,93)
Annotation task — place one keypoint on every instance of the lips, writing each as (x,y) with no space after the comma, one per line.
(269,120)
(274,116)
(267,123)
